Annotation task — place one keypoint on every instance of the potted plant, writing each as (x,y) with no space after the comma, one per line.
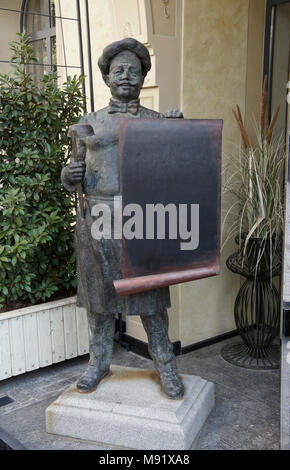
(37,262)
(257,215)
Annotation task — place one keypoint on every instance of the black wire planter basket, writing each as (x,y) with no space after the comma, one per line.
(257,306)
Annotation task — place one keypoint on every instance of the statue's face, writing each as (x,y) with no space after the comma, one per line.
(125,78)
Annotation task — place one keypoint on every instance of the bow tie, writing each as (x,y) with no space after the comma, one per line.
(119,107)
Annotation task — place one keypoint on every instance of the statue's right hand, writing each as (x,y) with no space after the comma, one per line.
(77,171)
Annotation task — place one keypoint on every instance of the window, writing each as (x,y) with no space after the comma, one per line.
(39,23)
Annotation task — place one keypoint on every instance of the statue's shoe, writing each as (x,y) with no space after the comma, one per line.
(172,385)
(90,379)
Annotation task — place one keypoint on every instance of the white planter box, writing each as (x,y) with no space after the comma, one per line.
(42,335)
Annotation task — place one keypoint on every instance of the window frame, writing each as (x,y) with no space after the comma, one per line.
(269,44)
(23,11)
(47,33)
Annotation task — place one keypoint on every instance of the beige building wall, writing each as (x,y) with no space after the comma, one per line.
(9,26)
(217,61)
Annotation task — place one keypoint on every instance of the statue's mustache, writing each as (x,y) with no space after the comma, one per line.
(131,83)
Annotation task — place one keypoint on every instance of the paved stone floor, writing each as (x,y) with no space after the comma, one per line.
(245,417)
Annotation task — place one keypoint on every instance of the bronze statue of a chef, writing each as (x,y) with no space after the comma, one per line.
(124,65)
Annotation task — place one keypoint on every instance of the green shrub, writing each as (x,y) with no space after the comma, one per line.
(36,213)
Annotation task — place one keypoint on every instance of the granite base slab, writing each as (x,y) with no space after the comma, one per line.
(129,409)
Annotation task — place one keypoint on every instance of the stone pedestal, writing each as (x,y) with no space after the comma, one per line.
(129,410)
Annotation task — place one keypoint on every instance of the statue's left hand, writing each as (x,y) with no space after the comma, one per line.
(174,114)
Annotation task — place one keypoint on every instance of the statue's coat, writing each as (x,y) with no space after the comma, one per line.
(99,261)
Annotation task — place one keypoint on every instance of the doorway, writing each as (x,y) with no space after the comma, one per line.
(277,67)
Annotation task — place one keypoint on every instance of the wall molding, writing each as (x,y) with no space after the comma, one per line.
(140,347)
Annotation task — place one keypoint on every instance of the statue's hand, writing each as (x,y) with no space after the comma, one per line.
(77,172)
(174,114)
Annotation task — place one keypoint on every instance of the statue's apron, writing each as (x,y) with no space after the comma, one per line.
(99,264)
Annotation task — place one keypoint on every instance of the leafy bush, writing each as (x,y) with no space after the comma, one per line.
(36,213)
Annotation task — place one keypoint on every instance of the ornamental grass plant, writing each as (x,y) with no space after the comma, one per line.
(255,182)
(36,214)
